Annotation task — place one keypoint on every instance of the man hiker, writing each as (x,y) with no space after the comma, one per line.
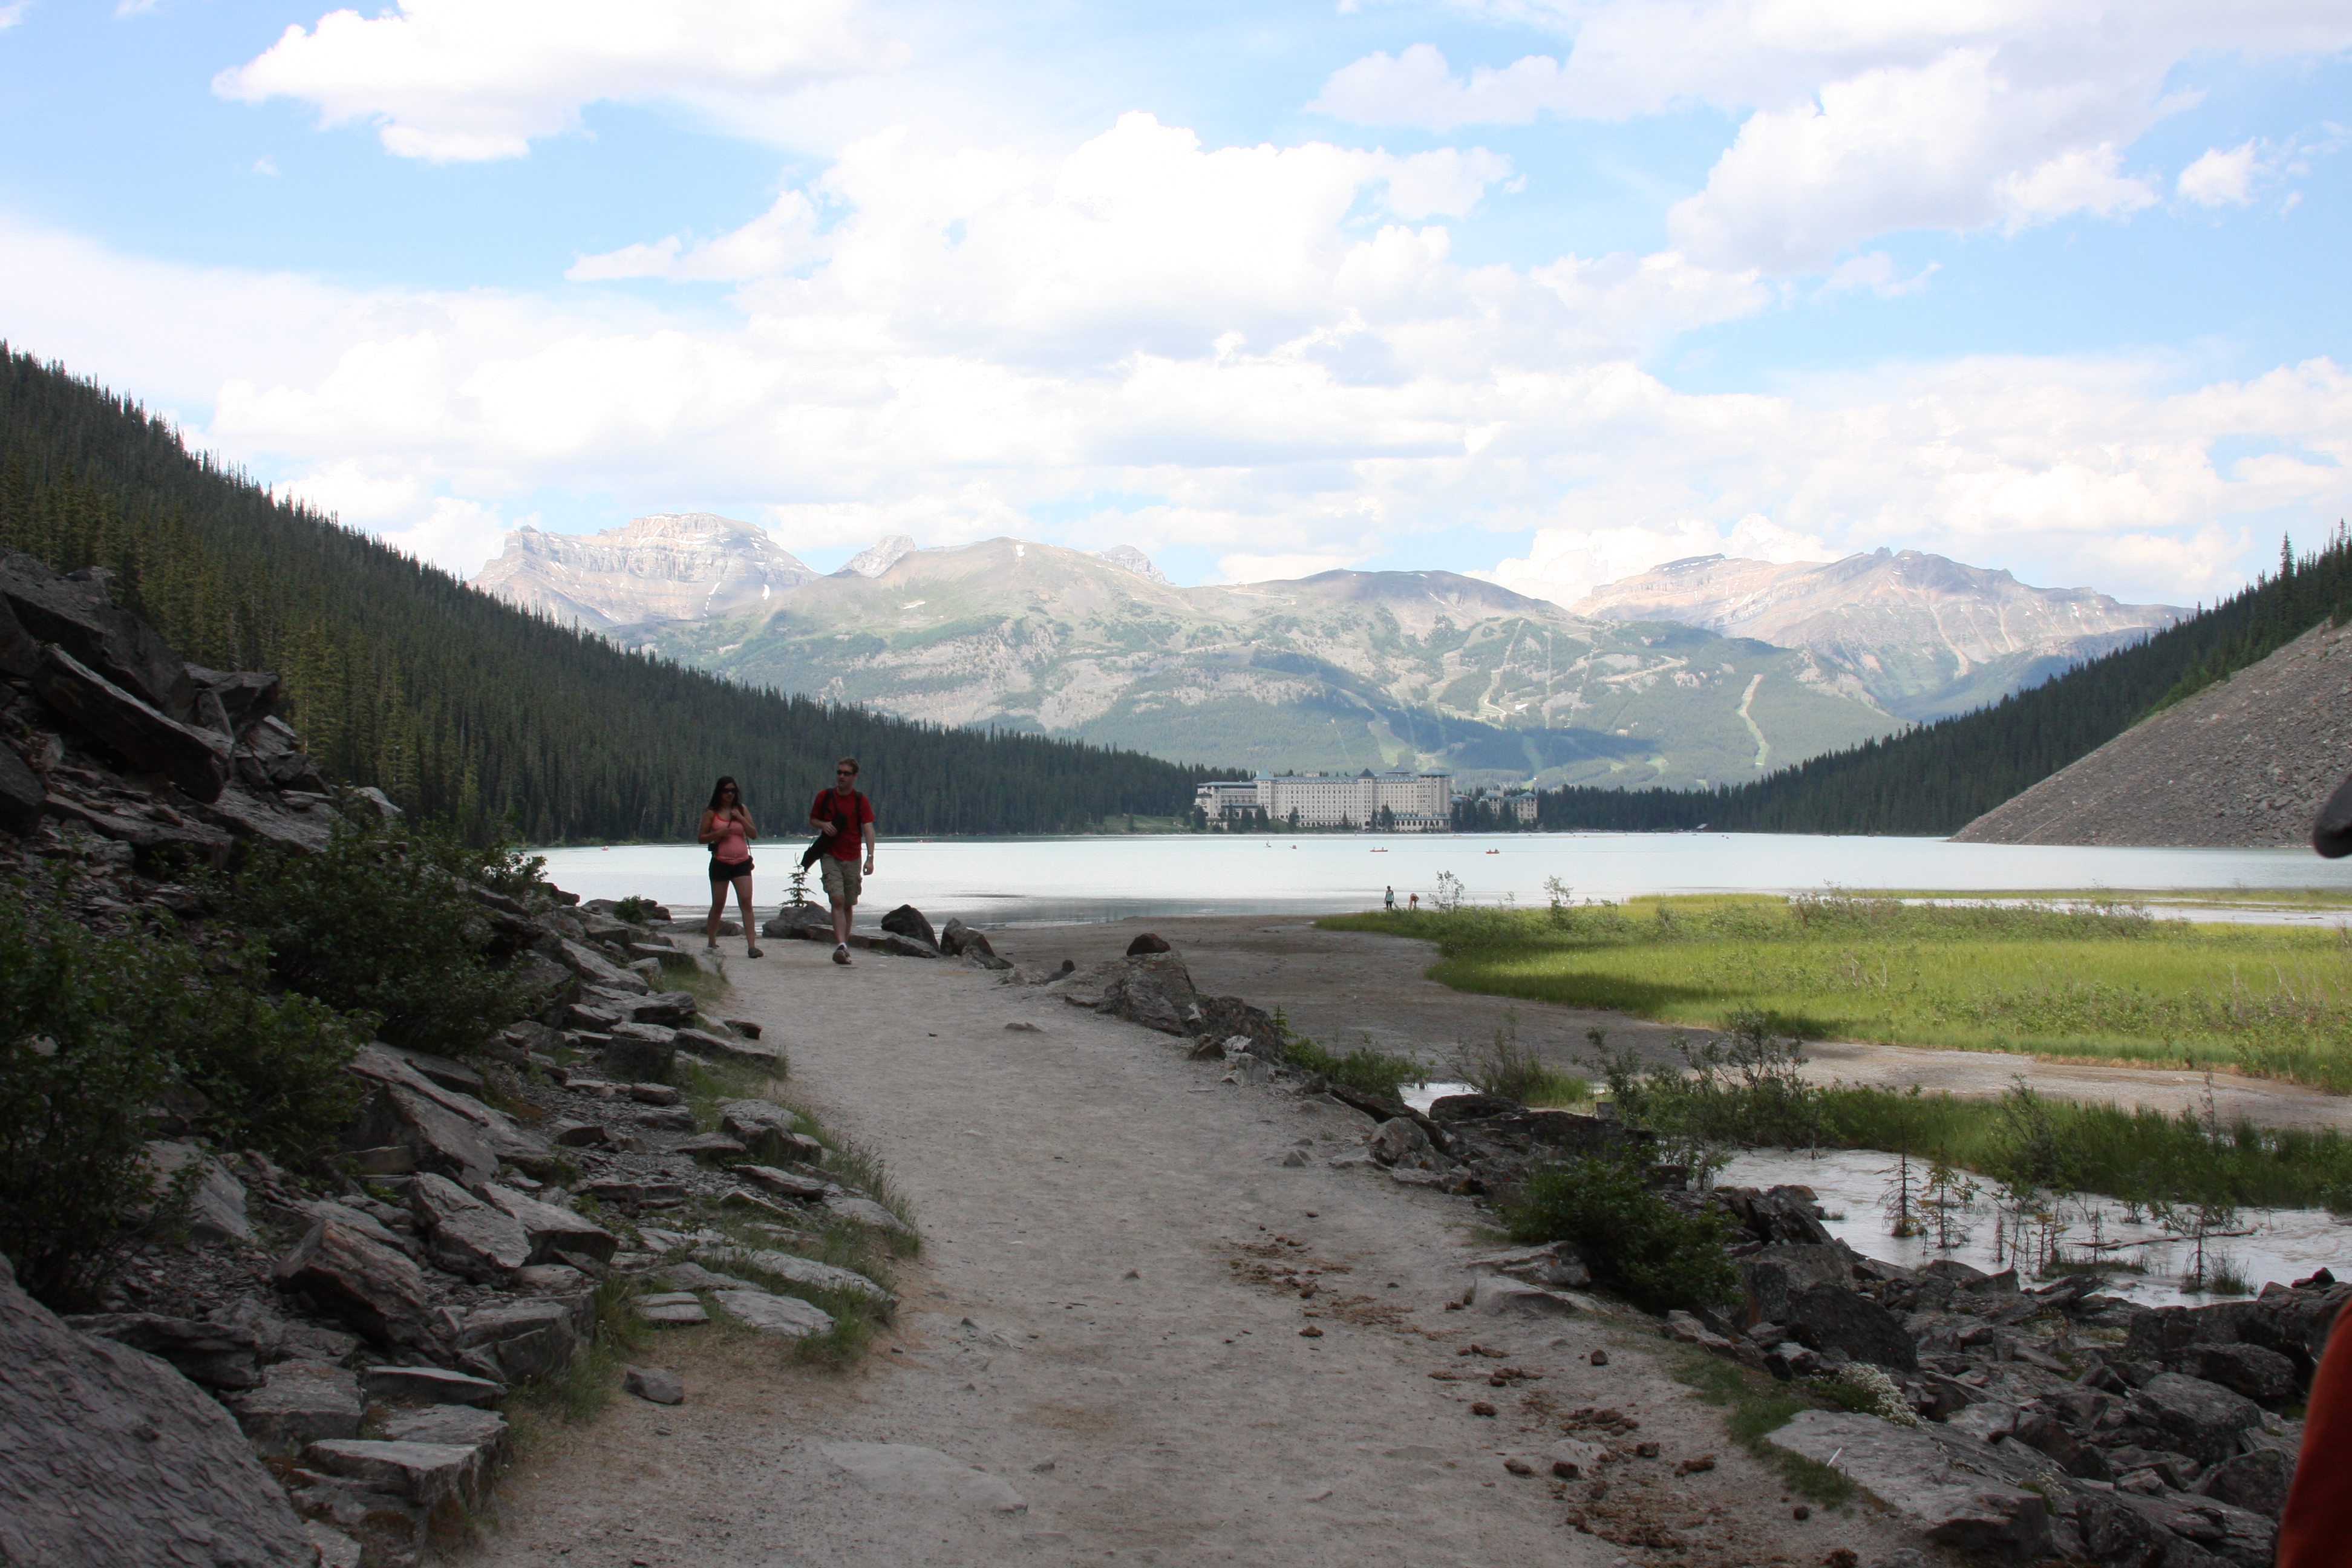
(843,815)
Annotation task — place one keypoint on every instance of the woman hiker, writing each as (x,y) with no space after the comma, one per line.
(727,829)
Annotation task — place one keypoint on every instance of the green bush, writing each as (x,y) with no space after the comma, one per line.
(634,910)
(95,1030)
(380,923)
(1363,1069)
(1658,1255)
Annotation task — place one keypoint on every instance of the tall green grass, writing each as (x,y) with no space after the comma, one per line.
(2100,980)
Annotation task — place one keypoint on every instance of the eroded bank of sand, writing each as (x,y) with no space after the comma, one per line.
(1100,1320)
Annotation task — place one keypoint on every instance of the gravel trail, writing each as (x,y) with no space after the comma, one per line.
(1105,1318)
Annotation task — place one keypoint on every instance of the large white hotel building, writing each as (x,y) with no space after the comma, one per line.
(1422,802)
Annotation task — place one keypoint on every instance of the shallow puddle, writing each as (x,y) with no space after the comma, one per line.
(1853,1185)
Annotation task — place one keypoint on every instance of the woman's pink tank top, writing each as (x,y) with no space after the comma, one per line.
(732,848)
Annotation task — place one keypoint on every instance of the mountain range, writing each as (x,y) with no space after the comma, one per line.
(1705,672)
(1927,636)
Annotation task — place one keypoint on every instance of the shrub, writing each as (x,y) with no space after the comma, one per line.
(79,1066)
(1660,1257)
(1366,1069)
(634,910)
(270,1068)
(1505,1066)
(381,922)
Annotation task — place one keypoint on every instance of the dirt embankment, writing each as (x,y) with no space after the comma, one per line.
(2244,764)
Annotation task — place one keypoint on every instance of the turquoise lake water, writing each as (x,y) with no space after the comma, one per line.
(1056,881)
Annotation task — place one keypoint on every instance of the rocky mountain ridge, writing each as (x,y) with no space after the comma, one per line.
(1284,675)
(2245,763)
(1927,635)
(667,567)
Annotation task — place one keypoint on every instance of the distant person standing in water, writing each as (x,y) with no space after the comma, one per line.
(727,829)
(1388,900)
(845,817)
(1412,903)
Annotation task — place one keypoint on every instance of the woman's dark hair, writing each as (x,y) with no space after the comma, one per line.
(718,790)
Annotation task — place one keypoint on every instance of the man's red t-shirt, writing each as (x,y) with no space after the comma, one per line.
(851,815)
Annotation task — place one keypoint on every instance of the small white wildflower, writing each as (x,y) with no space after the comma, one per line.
(1876,1393)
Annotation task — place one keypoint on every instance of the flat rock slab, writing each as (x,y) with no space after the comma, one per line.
(1914,1474)
(799,1270)
(864,1211)
(454,1426)
(1512,1297)
(672,1309)
(434,1475)
(786,1315)
(302,1402)
(428,1385)
(924,1474)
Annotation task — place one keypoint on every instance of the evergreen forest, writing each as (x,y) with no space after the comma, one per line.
(454,704)
(1937,778)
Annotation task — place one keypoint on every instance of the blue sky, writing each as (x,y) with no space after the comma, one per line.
(1549,289)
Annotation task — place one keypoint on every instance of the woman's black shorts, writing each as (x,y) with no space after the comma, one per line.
(727,870)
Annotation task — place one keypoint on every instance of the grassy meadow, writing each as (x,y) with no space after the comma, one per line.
(2097,980)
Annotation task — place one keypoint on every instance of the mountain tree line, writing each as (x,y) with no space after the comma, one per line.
(456,704)
(1939,777)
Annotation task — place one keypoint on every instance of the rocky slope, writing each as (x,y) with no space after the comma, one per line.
(1926,637)
(1347,670)
(2247,763)
(668,566)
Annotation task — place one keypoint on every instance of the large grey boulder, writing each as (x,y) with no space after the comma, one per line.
(218,1356)
(702,1044)
(466,1235)
(2195,1417)
(1955,1498)
(1831,1318)
(370,1288)
(2256,1481)
(47,607)
(1774,1276)
(269,818)
(23,793)
(450,1133)
(589,966)
(110,1457)
(1401,1141)
(196,760)
(553,1232)
(909,922)
(640,1053)
(2264,1377)
(524,1340)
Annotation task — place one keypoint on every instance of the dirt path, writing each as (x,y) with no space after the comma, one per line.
(1343,987)
(1096,1323)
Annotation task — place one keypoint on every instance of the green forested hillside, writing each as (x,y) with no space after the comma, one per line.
(398,675)
(1937,778)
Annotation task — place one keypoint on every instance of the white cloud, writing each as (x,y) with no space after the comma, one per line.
(1860,119)
(14,12)
(2220,178)
(1445,182)
(779,240)
(1566,564)
(1877,271)
(1952,145)
(984,337)
(470,79)
(1417,88)
(265,165)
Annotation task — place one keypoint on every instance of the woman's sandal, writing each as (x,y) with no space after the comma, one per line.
(754,952)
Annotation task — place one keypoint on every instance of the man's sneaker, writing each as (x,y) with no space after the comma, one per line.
(841,953)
